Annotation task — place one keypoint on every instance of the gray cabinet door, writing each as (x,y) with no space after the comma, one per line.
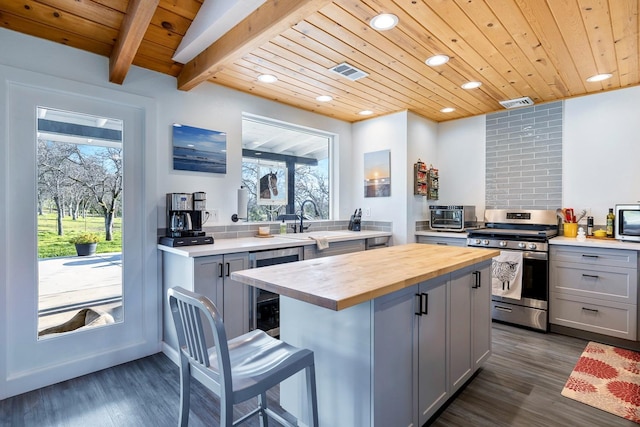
(211,279)
(462,283)
(207,281)
(236,296)
(432,347)
(481,315)
(395,370)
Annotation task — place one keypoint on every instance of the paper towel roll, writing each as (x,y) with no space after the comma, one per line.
(243,201)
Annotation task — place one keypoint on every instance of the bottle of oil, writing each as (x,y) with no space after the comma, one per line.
(610,223)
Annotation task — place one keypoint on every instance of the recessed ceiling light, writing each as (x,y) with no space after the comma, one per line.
(448,110)
(324,98)
(365,112)
(267,78)
(436,60)
(471,85)
(384,21)
(599,77)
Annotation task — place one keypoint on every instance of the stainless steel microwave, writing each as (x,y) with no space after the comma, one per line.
(628,222)
(452,218)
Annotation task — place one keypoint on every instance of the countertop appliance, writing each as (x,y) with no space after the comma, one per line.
(186,213)
(526,231)
(452,218)
(265,305)
(628,222)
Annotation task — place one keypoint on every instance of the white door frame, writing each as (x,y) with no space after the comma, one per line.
(27,363)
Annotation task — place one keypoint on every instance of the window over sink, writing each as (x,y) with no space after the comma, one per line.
(283,165)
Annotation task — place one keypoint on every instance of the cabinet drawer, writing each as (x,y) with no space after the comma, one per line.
(594,256)
(447,241)
(606,283)
(610,318)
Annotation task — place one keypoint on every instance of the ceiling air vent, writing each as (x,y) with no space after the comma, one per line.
(348,71)
(518,102)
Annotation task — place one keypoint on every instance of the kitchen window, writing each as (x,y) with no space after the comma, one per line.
(282,166)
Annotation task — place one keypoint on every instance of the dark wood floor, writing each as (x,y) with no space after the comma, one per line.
(520,385)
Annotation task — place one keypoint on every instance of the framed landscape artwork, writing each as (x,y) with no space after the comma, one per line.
(377,174)
(199,150)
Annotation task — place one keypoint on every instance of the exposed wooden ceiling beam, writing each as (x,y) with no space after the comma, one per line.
(266,22)
(134,26)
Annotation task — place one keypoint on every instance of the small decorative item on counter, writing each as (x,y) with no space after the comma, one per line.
(610,223)
(581,237)
(263,231)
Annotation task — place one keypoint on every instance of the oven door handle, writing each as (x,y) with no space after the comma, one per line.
(542,256)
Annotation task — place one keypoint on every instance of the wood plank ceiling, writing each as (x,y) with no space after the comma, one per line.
(541,49)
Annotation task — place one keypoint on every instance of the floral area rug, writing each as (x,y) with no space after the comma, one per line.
(607,378)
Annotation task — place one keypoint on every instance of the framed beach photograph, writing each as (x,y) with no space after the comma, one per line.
(377,174)
(199,150)
(272,184)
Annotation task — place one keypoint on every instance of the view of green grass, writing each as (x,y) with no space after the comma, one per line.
(51,245)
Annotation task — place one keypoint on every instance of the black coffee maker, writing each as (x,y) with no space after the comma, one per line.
(186,213)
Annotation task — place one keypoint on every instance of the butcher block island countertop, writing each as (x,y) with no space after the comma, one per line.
(343,281)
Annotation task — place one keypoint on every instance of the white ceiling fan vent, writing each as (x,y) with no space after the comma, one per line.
(348,71)
(518,102)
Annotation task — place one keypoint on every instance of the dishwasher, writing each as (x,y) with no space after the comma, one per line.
(265,306)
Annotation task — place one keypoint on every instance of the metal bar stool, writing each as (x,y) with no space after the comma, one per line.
(237,370)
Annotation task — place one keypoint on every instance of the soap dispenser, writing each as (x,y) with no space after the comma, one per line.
(283,227)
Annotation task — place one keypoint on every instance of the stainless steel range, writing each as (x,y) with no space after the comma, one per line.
(520,232)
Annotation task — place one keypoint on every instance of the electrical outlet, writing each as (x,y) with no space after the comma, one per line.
(367,211)
(214,215)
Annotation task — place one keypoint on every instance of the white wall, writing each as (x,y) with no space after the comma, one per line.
(422,143)
(601,151)
(461,160)
(382,133)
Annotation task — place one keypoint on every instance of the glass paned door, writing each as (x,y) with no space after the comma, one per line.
(79,219)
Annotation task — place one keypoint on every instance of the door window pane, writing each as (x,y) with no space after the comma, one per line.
(79,217)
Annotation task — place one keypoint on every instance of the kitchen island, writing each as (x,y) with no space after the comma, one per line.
(395,331)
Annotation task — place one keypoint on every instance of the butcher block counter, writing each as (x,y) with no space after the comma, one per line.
(395,332)
(343,281)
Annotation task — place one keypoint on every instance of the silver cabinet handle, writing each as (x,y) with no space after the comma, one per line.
(507,309)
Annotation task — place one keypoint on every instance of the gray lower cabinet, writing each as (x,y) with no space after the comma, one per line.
(445,241)
(335,248)
(449,324)
(595,290)
(470,322)
(209,276)
(431,354)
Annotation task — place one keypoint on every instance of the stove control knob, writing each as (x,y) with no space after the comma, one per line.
(532,246)
(522,245)
(503,243)
(485,242)
(477,241)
